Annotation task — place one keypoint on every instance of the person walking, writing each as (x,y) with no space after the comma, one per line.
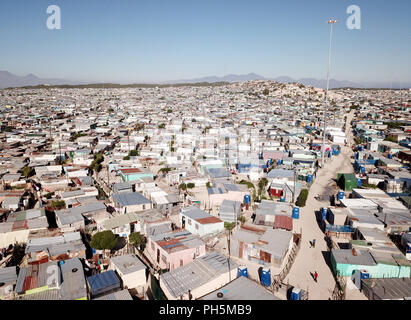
(315,276)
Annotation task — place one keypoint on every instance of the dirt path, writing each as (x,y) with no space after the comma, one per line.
(309,259)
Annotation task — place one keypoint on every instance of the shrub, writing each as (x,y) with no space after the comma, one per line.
(105,240)
(302,198)
(183,186)
(137,240)
(58,205)
(190,185)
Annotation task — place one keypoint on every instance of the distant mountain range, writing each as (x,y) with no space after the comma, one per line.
(306,81)
(8,80)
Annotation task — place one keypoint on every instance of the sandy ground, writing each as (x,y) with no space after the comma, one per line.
(309,259)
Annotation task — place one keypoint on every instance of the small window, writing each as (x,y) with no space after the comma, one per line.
(163,258)
(152,245)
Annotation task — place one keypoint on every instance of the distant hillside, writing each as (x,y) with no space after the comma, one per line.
(8,80)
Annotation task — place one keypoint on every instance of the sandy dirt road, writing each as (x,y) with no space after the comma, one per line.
(310,260)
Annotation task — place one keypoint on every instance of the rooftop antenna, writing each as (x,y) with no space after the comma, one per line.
(331,22)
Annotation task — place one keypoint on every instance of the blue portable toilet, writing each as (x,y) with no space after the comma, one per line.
(247,199)
(389,156)
(359,182)
(296,213)
(266,277)
(309,178)
(324,212)
(61,262)
(270,161)
(340,195)
(365,274)
(362,169)
(295,294)
(242,272)
(260,155)
(280,161)
(282,199)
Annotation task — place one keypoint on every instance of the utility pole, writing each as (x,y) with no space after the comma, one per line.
(295,173)
(331,23)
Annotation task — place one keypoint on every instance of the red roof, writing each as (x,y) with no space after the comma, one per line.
(283,222)
(131,170)
(209,220)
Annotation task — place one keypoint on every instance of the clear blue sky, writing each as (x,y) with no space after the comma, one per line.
(158,40)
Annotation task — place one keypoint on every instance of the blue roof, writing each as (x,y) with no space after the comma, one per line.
(103,282)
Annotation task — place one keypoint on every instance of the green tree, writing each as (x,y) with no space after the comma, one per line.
(183,186)
(190,185)
(28,172)
(242,219)
(137,240)
(169,111)
(58,204)
(302,198)
(266,92)
(208,184)
(162,126)
(105,240)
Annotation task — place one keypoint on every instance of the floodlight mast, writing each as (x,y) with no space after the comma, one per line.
(331,22)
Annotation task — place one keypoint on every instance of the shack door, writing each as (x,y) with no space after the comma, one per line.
(240,251)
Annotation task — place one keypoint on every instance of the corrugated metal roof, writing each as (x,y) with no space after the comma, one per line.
(128,264)
(283,222)
(196,273)
(130,199)
(119,295)
(103,282)
(241,288)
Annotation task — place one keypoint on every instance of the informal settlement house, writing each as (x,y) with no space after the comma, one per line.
(240,288)
(346,261)
(131,202)
(274,214)
(230,211)
(52,281)
(199,222)
(174,249)
(19,224)
(131,271)
(263,246)
(198,278)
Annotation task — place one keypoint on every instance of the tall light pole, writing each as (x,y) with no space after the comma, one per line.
(331,23)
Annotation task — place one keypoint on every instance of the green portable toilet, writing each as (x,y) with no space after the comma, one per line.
(347,181)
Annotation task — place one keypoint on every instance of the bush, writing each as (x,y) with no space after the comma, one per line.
(105,240)
(137,240)
(190,185)
(58,205)
(28,172)
(208,185)
(133,153)
(183,186)
(302,198)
